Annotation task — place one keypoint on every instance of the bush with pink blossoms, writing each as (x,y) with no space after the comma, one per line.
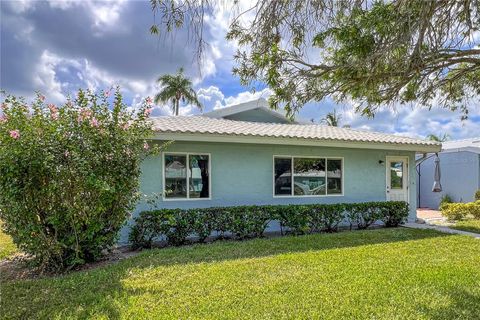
(69,175)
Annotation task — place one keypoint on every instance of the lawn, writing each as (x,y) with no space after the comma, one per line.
(468,225)
(375,274)
(7,248)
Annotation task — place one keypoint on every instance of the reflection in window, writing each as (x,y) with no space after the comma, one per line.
(198,176)
(310,177)
(177,177)
(334,176)
(396,174)
(283,176)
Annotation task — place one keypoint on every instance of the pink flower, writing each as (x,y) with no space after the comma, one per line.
(149,101)
(94,122)
(125,126)
(84,114)
(4,106)
(146,146)
(53,111)
(41,97)
(147,112)
(106,94)
(15,134)
(3,118)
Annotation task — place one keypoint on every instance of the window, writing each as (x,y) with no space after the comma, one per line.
(296,176)
(186,176)
(283,176)
(396,174)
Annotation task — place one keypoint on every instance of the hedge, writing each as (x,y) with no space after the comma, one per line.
(460,211)
(175,225)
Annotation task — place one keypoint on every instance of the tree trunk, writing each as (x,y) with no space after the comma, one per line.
(175,107)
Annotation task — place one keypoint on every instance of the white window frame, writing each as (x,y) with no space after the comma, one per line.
(292,195)
(187,154)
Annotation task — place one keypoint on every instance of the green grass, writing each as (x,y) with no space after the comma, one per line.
(374,274)
(468,225)
(7,248)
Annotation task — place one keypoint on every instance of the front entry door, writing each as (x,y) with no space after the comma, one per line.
(397,179)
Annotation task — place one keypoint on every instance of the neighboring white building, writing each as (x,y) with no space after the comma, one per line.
(460,170)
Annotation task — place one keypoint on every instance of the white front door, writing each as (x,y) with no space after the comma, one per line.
(397,179)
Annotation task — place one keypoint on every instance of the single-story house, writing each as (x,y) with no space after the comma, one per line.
(251,155)
(460,173)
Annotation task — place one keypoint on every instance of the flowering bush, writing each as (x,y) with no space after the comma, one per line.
(69,174)
(461,211)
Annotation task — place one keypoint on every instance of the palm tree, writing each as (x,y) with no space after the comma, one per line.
(332,119)
(441,138)
(176,88)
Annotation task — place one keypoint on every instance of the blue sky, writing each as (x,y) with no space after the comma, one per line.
(57,47)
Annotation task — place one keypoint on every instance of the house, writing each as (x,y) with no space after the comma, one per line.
(249,154)
(460,173)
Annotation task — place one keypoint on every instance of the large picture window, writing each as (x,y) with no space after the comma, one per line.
(186,176)
(312,176)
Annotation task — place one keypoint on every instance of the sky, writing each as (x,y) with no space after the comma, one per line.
(57,47)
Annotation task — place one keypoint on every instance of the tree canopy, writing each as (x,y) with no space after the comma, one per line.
(375,53)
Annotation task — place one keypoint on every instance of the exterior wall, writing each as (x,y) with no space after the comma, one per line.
(242,174)
(256,115)
(460,178)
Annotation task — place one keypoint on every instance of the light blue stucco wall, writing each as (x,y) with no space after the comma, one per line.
(242,174)
(460,178)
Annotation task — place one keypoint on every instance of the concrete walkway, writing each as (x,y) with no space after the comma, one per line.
(414,225)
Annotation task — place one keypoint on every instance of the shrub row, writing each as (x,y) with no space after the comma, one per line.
(175,225)
(460,211)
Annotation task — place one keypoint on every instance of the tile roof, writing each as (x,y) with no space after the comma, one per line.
(211,126)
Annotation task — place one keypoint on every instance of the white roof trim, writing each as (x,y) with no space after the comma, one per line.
(260,104)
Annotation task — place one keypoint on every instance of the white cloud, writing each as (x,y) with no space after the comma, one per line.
(44,77)
(247,96)
(212,92)
(415,121)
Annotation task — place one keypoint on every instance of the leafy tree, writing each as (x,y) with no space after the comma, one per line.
(332,119)
(441,138)
(176,88)
(374,52)
(69,175)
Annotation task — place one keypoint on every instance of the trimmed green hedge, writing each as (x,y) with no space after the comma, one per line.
(175,225)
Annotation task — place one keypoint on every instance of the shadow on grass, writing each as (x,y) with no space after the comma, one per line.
(97,292)
(468,225)
(463,305)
